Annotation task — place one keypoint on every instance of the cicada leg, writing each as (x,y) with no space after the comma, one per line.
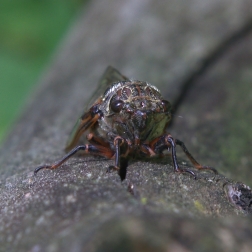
(192,159)
(121,163)
(159,144)
(88,148)
(172,144)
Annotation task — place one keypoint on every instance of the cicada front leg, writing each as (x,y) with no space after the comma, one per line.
(88,148)
(86,122)
(121,161)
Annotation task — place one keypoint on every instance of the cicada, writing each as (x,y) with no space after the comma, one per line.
(127,121)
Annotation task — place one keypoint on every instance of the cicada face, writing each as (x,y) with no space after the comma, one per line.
(134,110)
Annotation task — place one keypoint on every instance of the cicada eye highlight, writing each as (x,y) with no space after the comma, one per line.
(116,105)
(166,105)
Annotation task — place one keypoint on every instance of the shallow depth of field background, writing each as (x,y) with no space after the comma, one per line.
(29,33)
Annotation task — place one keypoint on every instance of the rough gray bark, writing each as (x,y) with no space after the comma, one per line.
(80,207)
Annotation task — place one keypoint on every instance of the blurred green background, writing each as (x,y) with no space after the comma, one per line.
(29,33)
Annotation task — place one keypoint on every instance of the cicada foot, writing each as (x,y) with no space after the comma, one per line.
(180,170)
(121,171)
(112,168)
(43,167)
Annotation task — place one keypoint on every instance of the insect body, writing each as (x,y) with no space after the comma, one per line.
(129,120)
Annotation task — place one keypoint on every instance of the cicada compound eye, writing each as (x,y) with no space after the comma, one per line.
(116,105)
(166,105)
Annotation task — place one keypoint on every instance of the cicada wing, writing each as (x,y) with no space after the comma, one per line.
(88,119)
(110,76)
(85,122)
(75,135)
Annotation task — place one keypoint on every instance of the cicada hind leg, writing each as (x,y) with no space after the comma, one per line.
(167,142)
(192,159)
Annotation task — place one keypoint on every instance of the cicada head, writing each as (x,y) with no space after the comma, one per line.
(135,109)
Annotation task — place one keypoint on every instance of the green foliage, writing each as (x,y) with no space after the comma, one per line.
(29,32)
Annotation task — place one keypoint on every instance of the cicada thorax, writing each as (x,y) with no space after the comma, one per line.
(134,110)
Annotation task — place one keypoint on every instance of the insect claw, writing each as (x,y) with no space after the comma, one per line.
(41,167)
(192,173)
(188,171)
(112,168)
